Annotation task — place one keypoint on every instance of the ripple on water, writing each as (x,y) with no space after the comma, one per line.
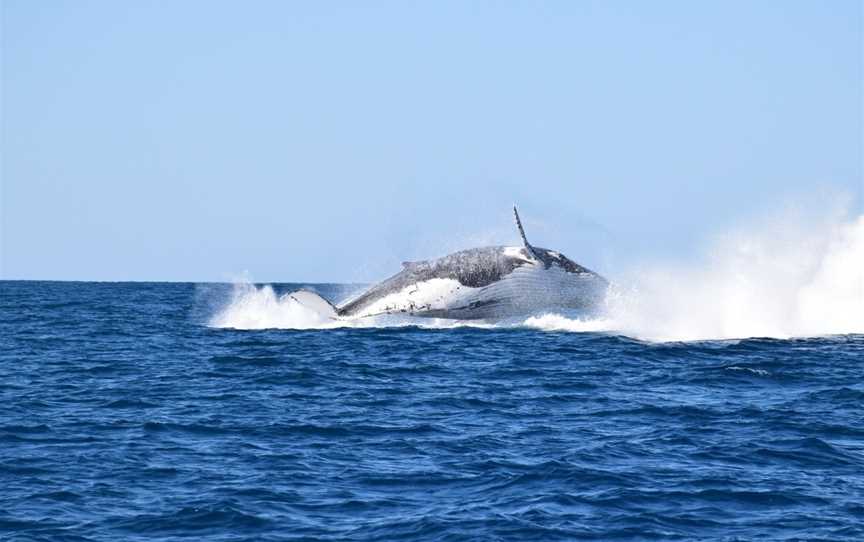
(140,422)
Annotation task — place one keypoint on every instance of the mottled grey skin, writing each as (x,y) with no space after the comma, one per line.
(479,268)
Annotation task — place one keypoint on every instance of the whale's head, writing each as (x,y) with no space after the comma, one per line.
(552,259)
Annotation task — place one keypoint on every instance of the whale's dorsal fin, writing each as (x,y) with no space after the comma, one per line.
(525,242)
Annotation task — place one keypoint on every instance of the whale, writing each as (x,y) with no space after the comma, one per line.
(485,283)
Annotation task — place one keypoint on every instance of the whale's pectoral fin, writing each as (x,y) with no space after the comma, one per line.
(315,302)
(525,242)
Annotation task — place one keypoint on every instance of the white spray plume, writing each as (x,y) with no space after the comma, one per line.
(787,277)
(252,307)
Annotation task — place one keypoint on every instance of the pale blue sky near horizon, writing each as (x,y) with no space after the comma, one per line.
(329,141)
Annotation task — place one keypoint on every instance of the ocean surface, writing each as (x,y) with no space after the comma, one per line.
(136,411)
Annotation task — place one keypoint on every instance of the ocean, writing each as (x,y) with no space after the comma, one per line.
(139,411)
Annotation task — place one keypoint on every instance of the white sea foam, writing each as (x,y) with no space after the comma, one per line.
(251,307)
(559,322)
(787,276)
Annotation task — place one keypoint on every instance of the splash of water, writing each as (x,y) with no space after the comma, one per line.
(253,307)
(787,276)
(560,322)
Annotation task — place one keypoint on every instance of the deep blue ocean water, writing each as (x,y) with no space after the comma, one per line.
(124,416)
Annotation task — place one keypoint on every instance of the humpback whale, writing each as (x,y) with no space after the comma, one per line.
(479,283)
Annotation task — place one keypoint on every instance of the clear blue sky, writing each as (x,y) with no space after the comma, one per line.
(328,141)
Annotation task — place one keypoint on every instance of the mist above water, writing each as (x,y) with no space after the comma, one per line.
(785,276)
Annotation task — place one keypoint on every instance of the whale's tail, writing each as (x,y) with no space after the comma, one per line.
(314,302)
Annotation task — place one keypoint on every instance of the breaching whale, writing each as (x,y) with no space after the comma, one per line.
(479,283)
